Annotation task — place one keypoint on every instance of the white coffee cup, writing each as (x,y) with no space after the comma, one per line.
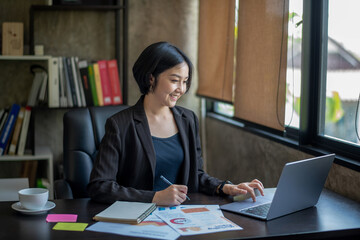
(33,198)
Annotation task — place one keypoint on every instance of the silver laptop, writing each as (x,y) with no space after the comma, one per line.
(299,187)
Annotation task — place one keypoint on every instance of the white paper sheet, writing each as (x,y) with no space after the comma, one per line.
(199,219)
(151,227)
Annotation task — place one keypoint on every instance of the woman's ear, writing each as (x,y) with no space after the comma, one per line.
(152,79)
(152,82)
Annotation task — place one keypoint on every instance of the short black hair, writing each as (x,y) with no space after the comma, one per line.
(155,59)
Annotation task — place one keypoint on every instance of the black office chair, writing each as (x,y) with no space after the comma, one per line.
(83,131)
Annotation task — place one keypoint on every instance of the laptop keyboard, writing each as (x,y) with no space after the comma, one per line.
(260,210)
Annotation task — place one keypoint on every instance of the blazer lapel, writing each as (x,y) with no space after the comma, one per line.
(183,126)
(142,129)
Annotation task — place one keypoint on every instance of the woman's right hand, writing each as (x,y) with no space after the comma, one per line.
(243,188)
(171,196)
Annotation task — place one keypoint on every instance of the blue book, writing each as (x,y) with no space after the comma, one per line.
(8,127)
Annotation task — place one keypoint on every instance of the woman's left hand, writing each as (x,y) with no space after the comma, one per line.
(243,188)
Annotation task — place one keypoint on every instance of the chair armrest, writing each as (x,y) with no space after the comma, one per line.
(62,190)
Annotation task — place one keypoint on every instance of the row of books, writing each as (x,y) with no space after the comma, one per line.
(74,83)
(14,125)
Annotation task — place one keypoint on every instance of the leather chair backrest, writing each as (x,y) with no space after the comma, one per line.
(83,131)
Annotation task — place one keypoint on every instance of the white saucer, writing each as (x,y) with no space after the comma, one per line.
(48,206)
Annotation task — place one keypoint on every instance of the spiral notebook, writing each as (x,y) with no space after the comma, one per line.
(126,212)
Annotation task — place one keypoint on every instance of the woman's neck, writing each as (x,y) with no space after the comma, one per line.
(154,108)
(160,118)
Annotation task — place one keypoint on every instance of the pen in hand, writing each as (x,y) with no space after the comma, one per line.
(168,182)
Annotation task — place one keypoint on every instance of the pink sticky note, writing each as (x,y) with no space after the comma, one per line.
(61,218)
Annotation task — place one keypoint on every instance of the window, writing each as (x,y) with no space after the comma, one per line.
(224,108)
(293,71)
(340,120)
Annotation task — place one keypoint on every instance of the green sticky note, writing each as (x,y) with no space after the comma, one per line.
(70,226)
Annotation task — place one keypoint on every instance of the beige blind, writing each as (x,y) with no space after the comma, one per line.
(261,62)
(216,49)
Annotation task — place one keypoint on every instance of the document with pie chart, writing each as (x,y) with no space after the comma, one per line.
(192,220)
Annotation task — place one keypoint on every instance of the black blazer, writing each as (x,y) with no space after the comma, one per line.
(125,165)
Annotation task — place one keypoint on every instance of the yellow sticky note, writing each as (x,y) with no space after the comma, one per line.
(69,226)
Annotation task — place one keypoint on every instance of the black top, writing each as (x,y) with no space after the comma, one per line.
(169,157)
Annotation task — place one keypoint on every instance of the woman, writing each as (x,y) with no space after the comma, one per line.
(155,137)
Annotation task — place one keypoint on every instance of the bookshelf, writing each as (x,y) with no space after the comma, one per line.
(61,29)
(43,154)
(121,31)
(50,129)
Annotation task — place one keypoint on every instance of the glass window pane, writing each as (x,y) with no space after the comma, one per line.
(224,108)
(293,75)
(343,72)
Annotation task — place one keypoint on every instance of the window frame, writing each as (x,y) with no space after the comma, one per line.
(313,85)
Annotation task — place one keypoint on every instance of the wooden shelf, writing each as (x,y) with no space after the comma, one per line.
(41,154)
(25,58)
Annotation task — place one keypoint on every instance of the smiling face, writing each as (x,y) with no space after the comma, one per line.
(171,85)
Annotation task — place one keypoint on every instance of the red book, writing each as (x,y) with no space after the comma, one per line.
(105,82)
(114,81)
